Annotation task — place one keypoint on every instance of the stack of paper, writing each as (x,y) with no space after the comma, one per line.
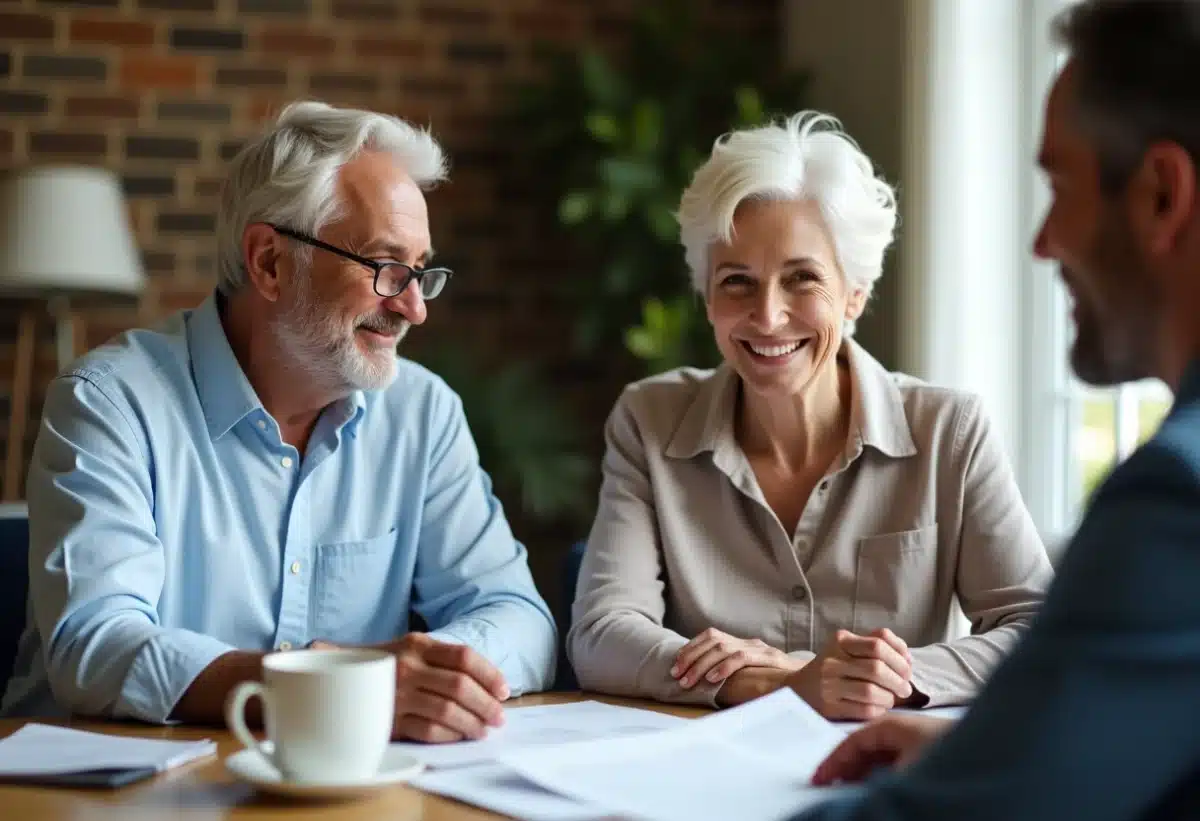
(57,755)
(754,761)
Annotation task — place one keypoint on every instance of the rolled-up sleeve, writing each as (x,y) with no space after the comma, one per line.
(1003,570)
(617,642)
(96,565)
(473,585)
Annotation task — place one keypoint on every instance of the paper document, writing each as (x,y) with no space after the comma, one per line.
(501,790)
(532,727)
(753,761)
(40,749)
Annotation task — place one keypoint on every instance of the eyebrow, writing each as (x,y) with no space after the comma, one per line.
(395,252)
(794,262)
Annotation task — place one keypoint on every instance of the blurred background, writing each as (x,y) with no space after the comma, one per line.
(572,127)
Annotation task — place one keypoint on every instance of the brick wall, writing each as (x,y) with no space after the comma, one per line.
(164,91)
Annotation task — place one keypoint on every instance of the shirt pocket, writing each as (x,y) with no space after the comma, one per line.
(351,598)
(896,582)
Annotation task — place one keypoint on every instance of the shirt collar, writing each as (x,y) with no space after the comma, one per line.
(878,419)
(878,413)
(226,395)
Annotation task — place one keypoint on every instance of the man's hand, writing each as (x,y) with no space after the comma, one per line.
(444,692)
(892,741)
(856,677)
(715,656)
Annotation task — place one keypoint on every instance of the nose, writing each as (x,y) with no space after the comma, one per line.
(770,311)
(409,303)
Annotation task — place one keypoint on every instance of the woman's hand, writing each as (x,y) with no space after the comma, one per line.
(856,677)
(715,656)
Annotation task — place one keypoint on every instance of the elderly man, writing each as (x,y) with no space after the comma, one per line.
(262,472)
(1096,714)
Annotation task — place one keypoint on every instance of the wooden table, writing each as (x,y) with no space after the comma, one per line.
(204,791)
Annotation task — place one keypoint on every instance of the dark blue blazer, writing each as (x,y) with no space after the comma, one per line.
(1096,714)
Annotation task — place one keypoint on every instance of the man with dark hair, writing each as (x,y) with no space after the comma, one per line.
(1096,715)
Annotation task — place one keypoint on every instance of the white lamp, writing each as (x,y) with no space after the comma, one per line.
(64,231)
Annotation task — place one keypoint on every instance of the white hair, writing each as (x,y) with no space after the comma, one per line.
(807,157)
(288,175)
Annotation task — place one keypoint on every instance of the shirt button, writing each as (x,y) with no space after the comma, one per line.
(285,646)
(295,568)
(798,592)
(262,424)
(286,461)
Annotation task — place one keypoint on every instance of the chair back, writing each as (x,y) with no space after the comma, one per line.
(14,583)
(565,676)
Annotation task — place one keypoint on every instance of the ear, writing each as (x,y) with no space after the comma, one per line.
(856,303)
(1164,196)
(262,254)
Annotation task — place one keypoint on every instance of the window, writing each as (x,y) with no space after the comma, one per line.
(1107,426)
(1072,434)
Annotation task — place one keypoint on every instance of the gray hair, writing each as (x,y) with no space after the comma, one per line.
(1137,64)
(288,175)
(808,156)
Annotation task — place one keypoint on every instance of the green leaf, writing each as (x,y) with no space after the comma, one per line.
(575,207)
(616,205)
(662,222)
(654,314)
(641,343)
(604,127)
(628,174)
(749,106)
(601,83)
(647,126)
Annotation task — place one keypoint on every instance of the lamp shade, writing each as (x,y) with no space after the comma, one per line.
(65,230)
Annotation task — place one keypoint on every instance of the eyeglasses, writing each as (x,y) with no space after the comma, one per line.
(391,278)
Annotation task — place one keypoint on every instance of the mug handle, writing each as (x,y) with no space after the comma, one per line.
(235,715)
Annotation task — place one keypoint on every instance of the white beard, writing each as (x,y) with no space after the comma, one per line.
(325,347)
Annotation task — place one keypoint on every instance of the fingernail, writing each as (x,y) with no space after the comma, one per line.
(713,676)
(687,681)
(675,671)
(504,692)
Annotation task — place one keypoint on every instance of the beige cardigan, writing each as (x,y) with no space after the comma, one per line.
(918,523)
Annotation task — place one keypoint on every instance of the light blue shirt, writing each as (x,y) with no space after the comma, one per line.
(170,523)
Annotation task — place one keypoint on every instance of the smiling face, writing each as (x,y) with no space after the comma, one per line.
(777,298)
(330,319)
(1089,232)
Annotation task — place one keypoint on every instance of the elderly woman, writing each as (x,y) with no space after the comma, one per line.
(799,516)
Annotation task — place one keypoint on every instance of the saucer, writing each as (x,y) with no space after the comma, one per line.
(254,768)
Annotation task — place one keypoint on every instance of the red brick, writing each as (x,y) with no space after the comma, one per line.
(208,186)
(19,26)
(116,108)
(114,32)
(153,71)
(293,40)
(398,48)
(264,109)
(6,141)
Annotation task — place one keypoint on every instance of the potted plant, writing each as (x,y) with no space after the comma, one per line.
(627,133)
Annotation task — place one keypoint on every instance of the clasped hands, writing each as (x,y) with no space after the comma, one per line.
(444,692)
(853,677)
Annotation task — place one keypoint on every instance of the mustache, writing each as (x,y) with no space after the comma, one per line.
(390,325)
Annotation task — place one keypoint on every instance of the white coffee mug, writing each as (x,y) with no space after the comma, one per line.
(328,713)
